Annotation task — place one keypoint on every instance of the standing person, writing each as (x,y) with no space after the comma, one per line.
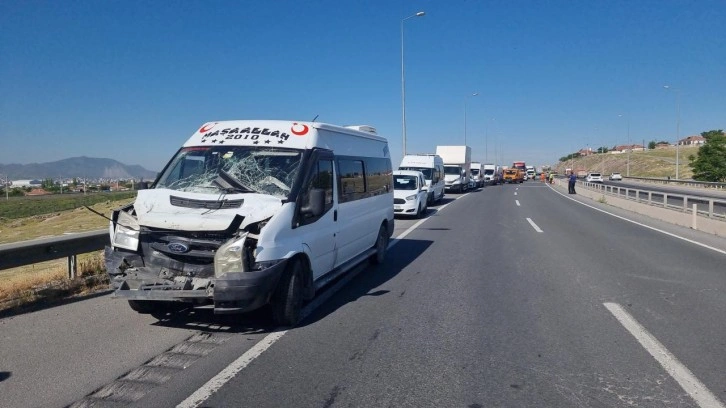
(571,183)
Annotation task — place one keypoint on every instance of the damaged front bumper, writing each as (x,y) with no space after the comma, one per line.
(233,292)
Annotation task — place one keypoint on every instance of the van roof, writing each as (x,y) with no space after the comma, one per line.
(279,133)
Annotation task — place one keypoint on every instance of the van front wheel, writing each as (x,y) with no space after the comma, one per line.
(380,246)
(286,302)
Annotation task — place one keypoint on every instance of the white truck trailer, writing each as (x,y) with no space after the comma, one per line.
(457,162)
(476,173)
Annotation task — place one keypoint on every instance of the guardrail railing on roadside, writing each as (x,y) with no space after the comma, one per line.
(47,249)
(704,206)
(693,183)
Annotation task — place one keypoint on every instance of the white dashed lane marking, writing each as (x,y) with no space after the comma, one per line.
(536,228)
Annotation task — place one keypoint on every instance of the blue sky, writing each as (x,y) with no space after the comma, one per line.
(132,80)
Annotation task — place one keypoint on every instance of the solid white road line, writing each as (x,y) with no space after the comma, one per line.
(641,224)
(703,397)
(536,228)
(214,384)
(517,201)
(206,391)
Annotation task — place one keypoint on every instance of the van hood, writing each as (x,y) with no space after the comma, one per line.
(178,210)
(451,177)
(404,193)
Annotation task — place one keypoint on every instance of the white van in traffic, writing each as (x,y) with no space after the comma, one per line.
(248,213)
(410,196)
(432,166)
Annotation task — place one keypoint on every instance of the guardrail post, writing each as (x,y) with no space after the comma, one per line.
(72,267)
(710,208)
(665,200)
(695,216)
(650,198)
(685,203)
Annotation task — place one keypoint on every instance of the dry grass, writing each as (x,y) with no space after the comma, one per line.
(55,224)
(658,163)
(49,280)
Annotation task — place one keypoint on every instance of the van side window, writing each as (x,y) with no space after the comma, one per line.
(321,178)
(378,176)
(352,179)
(438,169)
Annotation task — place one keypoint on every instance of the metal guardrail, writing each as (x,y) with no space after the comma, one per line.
(704,206)
(688,183)
(47,249)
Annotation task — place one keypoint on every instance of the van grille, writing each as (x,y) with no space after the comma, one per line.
(206,204)
(399,201)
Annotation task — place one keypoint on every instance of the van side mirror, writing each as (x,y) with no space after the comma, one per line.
(315,205)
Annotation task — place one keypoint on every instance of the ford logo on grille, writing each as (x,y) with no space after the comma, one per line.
(178,247)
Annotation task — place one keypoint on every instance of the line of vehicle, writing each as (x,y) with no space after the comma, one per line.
(643,225)
(536,228)
(219,380)
(685,378)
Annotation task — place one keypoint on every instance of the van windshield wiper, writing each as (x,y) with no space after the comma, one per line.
(231,185)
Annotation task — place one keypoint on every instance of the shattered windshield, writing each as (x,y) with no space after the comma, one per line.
(232,169)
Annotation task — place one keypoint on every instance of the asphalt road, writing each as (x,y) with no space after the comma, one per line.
(513,295)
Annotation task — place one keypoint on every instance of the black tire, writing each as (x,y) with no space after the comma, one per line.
(286,302)
(143,306)
(381,246)
(420,212)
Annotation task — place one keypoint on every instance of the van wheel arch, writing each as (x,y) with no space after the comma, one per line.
(381,244)
(287,299)
(307,271)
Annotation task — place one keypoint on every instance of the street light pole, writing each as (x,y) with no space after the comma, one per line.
(465,98)
(403,82)
(678,124)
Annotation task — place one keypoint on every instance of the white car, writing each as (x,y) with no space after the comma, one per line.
(615,177)
(409,193)
(594,178)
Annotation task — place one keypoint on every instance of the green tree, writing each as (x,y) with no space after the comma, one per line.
(709,164)
(570,156)
(651,145)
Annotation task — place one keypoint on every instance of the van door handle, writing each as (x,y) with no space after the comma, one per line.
(335,215)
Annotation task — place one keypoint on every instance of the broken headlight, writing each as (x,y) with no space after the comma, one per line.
(127,232)
(228,257)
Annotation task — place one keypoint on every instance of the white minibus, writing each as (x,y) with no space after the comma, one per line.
(249,213)
(432,166)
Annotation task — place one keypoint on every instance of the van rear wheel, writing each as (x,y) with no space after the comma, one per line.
(286,302)
(380,246)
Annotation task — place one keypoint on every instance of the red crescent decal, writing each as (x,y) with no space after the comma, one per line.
(299,132)
(207,127)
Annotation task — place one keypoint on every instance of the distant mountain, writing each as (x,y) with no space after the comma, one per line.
(79,167)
